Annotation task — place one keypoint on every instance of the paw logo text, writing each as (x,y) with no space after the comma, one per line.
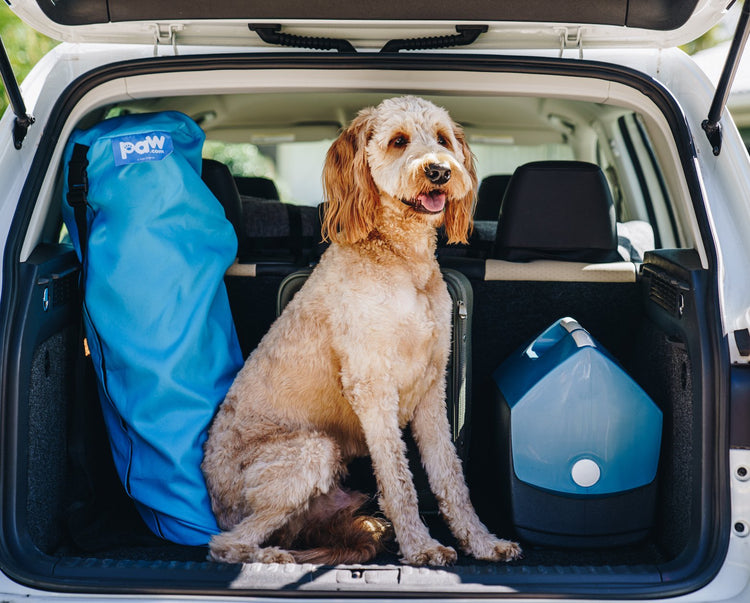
(137,148)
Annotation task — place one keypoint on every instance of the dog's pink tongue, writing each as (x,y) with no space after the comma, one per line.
(434,201)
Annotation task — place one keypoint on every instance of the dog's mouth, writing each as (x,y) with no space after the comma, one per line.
(432,202)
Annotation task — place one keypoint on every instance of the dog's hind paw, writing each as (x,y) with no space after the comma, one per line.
(273,554)
(495,549)
(235,552)
(437,555)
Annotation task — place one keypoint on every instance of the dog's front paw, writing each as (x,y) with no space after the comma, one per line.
(436,554)
(491,548)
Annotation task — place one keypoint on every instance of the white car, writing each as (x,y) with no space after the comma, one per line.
(569,84)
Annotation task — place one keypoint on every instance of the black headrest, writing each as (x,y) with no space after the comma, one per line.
(560,210)
(256,186)
(490,196)
(220,182)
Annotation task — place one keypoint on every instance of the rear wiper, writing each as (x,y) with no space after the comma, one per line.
(711,125)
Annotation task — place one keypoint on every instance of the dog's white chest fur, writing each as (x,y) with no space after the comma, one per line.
(420,344)
(403,314)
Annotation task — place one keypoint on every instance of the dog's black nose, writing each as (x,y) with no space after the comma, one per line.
(437,174)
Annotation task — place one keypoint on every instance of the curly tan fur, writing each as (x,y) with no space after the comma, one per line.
(359,353)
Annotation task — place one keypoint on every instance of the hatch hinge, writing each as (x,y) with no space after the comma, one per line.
(571,39)
(166,34)
(712,124)
(465,35)
(23,120)
(271,34)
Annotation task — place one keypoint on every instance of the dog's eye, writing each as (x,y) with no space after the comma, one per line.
(399,141)
(441,140)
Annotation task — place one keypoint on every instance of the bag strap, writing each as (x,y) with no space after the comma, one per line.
(78,188)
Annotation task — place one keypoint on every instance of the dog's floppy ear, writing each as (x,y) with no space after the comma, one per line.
(459,213)
(350,192)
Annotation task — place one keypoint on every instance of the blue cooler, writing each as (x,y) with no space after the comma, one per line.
(580,442)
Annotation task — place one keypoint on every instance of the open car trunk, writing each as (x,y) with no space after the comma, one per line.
(111,541)
(68,524)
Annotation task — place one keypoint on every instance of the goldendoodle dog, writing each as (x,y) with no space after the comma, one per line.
(359,353)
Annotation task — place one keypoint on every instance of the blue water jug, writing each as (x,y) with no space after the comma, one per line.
(581,442)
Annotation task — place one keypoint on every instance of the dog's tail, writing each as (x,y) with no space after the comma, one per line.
(336,530)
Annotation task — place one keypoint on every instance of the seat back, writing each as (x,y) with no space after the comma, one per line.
(220,182)
(280,232)
(490,197)
(257,186)
(557,210)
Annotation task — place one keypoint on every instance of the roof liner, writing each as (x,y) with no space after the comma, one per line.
(661,15)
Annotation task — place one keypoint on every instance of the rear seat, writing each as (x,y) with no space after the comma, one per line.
(273,237)
(481,240)
(557,223)
(555,254)
(279,234)
(540,184)
(557,226)
(274,240)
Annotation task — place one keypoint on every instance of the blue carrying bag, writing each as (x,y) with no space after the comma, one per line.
(154,244)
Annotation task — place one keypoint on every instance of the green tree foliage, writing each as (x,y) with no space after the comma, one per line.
(23,45)
(712,37)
